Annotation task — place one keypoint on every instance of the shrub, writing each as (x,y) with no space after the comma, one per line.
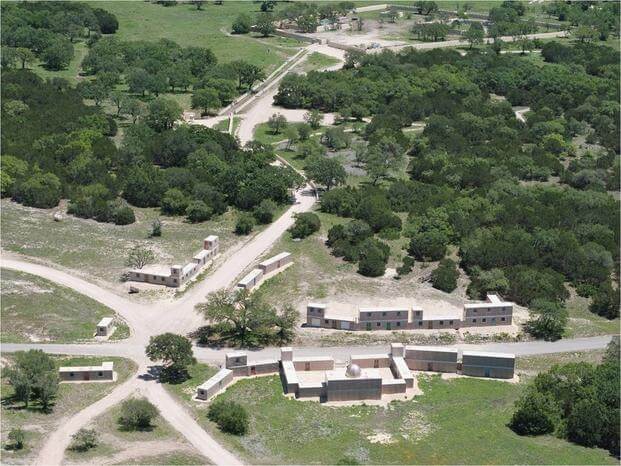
(244,224)
(84,440)
(549,320)
(536,414)
(406,267)
(40,190)
(174,202)
(124,216)
(305,225)
(444,277)
(16,437)
(264,212)
(156,228)
(242,24)
(136,414)
(198,211)
(231,417)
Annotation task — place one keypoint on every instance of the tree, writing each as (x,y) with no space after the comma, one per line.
(24,55)
(175,352)
(584,423)
(247,74)
(119,100)
(206,99)
(198,4)
(291,133)
(242,24)
(243,319)
(136,414)
(264,212)
(314,118)
(304,131)
(325,171)
(108,24)
(264,24)
(244,224)
(605,301)
(428,245)
(174,202)
(536,414)
(475,34)
(230,416)
(163,113)
(58,54)
(445,276)
(138,81)
(381,159)
(33,376)
(134,108)
(198,211)
(84,440)
(16,437)
(41,190)
(12,172)
(548,320)
(156,228)
(335,138)
(277,122)
(373,258)
(584,33)
(139,256)
(306,224)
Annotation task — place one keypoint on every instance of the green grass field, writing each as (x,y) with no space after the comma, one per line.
(34,309)
(71,398)
(584,323)
(208,27)
(171,459)
(71,72)
(434,428)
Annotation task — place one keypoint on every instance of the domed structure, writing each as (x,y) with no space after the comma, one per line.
(353,371)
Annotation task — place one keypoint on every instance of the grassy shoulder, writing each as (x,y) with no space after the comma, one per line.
(543,362)
(317,61)
(99,250)
(71,398)
(34,309)
(584,323)
(208,27)
(161,444)
(434,428)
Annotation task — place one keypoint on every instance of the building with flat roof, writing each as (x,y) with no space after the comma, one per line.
(104,327)
(103,373)
(177,275)
(265,270)
(491,313)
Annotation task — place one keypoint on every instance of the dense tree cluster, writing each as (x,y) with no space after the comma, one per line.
(47,30)
(578,401)
(476,168)
(34,377)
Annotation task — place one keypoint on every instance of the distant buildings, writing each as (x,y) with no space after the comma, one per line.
(364,377)
(493,312)
(178,275)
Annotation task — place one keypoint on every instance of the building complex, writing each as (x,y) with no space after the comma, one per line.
(494,311)
(364,377)
(177,275)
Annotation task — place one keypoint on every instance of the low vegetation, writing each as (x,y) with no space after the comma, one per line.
(230,416)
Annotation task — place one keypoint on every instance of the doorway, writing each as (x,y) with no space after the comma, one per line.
(387,325)
(253,370)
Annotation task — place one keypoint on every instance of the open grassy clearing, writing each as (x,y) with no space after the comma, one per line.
(71,398)
(317,61)
(584,323)
(99,250)
(71,72)
(209,27)
(121,446)
(34,309)
(434,428)
(543,362)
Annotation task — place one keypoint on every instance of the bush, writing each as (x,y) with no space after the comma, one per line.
(244,224)
(124,216)
(84,440)
(373,257)
(264,212)
(536,414)
(136,414)
(156,228)
(40,190)
(406,267)
(231,417)
(444,277)
(174,202)
(242,24)
(305,225)
(198,211)
(16,437)
(549,320)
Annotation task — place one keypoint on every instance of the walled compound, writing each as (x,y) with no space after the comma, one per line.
(103,373)
(265,270)
(178,275)
(385,376)
(493,312)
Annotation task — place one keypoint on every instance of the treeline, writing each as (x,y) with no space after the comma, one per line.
(47,30)
(56,147)
(476,169)
(576,401)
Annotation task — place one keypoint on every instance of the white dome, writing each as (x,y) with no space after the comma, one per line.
(353,370)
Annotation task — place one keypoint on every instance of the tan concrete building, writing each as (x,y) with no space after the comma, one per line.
(105,327)
(177,275)
(270,266)
(103,373)
(480,364)
(276,262)
(431,358)
(491,313)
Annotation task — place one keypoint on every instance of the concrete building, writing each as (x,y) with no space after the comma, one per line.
(491,313)
(365,377)
(431,358)
(251,280)
(103,373)
(266,268)
(276,262)
(105,326)
(177,275)
(480,364)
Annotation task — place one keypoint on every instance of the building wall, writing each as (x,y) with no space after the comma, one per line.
(487,316)
(313,365)
(311,390)
(488,366)
(371,361)
(220,380)
(393,387)
(429,360)
(82,376)
(354,389)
